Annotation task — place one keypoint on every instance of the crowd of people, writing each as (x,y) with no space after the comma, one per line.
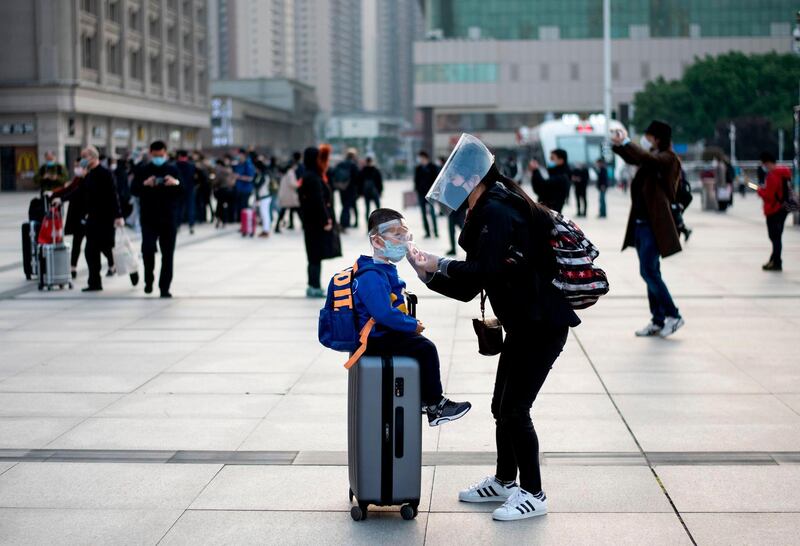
(159,190)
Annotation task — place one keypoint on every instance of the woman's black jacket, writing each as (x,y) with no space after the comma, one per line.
(509,255)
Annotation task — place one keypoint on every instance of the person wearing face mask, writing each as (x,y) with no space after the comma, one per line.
(554,190)
(74,193)
(379,293)
(51,174)
(102,214)
(157,184)
(507,238)
(424,175)
(651,227)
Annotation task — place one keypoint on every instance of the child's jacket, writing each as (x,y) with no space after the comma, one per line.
(378,293)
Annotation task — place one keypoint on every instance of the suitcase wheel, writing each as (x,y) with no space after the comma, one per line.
(408,512)
(358,513)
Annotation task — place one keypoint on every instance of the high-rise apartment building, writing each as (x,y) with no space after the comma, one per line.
(493,67)
(317,42)
(251,39)
(113,73)
(389,28)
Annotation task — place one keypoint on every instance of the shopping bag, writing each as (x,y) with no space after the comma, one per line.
(52,230)
(125,258)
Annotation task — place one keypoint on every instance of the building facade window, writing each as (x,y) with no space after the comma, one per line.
(574,72)
(135,63)
(155,28)
(89,6)
(114,58)
(583,19)
(114,11)
(155,69)
(615,71)
(89,52)
(456,73)
(202,84)
(135,20)
(172,37)
(172,74)
(188,82)
(544,72)
(644,71)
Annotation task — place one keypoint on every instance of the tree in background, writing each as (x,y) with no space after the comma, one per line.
(756,91)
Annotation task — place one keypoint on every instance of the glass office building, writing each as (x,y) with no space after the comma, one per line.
(497,67)
(583,19)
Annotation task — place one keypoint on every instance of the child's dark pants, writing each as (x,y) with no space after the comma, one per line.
(393,343)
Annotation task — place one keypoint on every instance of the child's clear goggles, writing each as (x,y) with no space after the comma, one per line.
(395,231)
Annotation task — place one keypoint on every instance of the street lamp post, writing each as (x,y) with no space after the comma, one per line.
(606,75)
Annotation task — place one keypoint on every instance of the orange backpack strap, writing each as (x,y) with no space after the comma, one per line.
(362,338)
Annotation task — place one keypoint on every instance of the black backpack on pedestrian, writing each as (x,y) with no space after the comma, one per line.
(790,200)
(683,196)
(341,176)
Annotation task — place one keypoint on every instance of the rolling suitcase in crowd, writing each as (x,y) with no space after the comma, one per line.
(30,233)
(249,222)
(384,432)
(30,249)
(54,254)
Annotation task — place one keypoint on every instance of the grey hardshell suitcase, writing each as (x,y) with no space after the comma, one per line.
(54,267)
(384,434)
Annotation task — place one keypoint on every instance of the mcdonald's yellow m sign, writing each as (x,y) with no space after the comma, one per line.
(26,163)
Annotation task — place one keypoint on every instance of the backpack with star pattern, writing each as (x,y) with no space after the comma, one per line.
(581,282)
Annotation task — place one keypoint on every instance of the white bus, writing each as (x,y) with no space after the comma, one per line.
(581,138)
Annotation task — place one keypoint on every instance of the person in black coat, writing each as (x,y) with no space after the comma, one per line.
(187,173)
(509,256)
(370,183)
(602,184)
(73,193)
(552,192)
(157,184)
(102,214)
(316,206)
(424,176)
(580,180)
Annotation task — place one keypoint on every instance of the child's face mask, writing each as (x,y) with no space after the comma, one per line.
(395,237)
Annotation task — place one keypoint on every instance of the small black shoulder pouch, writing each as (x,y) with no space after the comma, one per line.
(489,332)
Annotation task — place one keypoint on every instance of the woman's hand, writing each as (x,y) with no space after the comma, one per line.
(328,226)
(422,262)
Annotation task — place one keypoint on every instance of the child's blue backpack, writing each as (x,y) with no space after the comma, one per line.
(338,319)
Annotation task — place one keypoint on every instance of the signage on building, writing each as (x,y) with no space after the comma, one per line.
(26,163)
(221,122)
(23,128)
(122,133)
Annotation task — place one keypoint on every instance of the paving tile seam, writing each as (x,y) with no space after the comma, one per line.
(652,468)
(430,458)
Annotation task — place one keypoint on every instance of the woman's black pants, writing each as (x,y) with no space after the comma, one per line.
(528,354)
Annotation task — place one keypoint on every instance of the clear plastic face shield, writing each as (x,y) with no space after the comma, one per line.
(391,239)
(464,169)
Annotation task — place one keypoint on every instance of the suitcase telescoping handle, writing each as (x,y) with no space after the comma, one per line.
(412,304)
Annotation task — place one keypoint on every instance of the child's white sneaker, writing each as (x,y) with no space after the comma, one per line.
(487,490)
(521,505)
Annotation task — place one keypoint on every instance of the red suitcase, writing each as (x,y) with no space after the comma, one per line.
(249,222)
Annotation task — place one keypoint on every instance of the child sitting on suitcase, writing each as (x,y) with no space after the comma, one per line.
(378,293)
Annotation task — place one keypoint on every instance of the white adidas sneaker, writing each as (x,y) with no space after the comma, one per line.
(521,505)
(487,490)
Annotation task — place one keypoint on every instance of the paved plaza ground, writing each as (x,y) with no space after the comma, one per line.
(216,417)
